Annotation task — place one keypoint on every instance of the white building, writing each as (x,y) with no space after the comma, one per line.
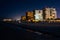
(38,15)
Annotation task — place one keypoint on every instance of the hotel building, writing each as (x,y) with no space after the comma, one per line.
(29,16)
(49,13)
(38,15)
(53,13)
(23,18)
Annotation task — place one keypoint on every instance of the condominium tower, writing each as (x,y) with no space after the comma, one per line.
(49,13)
(38,15)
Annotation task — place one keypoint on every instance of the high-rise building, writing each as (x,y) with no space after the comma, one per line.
(49,13)
(29,16)
(46,13)
(23,18)
(38,15)
(53,13)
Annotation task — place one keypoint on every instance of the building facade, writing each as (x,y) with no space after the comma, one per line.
(23,18)
(53,13)
(49,13)
(38,15)
(29,16)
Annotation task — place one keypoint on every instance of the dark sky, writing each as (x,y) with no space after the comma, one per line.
(16,8)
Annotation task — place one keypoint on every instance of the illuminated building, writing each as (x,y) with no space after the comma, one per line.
(46,13)
(38,15)
(23,18)
(53,13)
(49,13)
(29,16)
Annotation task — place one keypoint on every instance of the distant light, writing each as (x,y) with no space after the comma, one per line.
(7,19)
(18,19)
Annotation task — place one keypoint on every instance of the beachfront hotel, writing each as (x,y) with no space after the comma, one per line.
(41,15)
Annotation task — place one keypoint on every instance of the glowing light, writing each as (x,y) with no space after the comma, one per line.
(17,19)
(37,17)
(7,19)
(29,20)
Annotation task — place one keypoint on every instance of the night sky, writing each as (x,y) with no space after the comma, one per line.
(17,8)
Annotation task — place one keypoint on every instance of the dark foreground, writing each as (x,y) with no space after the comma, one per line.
(10,31)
